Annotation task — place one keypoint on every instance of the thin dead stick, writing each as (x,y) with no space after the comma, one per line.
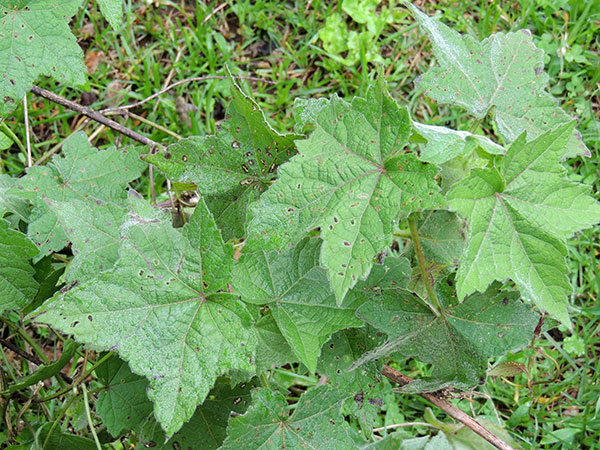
(451,410)
(95,115)
(27,137)
(177,83)
(170,75)
(31,358)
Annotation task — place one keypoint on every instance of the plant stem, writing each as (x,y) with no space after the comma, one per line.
(264,381)
(433,301)
(475,125)
(449,409)
(13,136)
(86,404)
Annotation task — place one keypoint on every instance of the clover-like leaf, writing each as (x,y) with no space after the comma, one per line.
(234,166)
(353,180)
(35,40)
(163,310)
(458,342)
(316,422)
(519,218)
(17,285)
(504,72)
(297,291)
(82,173)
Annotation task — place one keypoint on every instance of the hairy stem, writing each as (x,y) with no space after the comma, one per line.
(433,301)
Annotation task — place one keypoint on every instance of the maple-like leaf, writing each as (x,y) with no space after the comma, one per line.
(163,309)
(457,342)
(10,203)
(315,424)
(297,291)
(504,71)
(519,217)
(234,166)
(17,285)
(364,385)
(82,173)
(353,180)
(112,10)
(444,144)
(35,40)
(273,350)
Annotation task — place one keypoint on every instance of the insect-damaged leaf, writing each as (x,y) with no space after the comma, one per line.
(17,285)
(519,218)
(233,167)
(298,294)
(458,342)
(504,71)
(351,179)
(35,40)
(315,424)
(83,173)
(163,310)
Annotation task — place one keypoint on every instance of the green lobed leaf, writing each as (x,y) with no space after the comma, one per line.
(364,386)
(17,285)
(444,144)
(10,203)
(316,422)
(163,310)
(458,342)
(35,40)
(519,218)
(272,350)
(234,166)
(83,173)
(351,179)
(112,10)
(297,291)
(504,72)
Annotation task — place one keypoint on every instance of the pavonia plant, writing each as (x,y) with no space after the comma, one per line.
(338,251)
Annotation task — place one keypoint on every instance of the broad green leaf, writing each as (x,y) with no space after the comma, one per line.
(207,428)
(163,310)
(297,291)
(458,342)
(232,167)
(83,173)
(61,441)
(93,229)
(364,385)
(123,404)
(504,71)
(353,180)
(272,350)
(361,11)
(442,237)
(35,40)
(10,203)
(17,285)
(47,370)
(316,422)
(112,10)
(519,218)
(444,144)
(334,34)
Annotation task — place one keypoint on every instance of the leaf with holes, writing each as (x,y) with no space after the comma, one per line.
(17,285)
(458,342)
(232,167)
(519,218)
(353,180)
(298,294)
(35,40)
(83,173)
(504,72)
(316,422)
(364,385)
(163,309)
